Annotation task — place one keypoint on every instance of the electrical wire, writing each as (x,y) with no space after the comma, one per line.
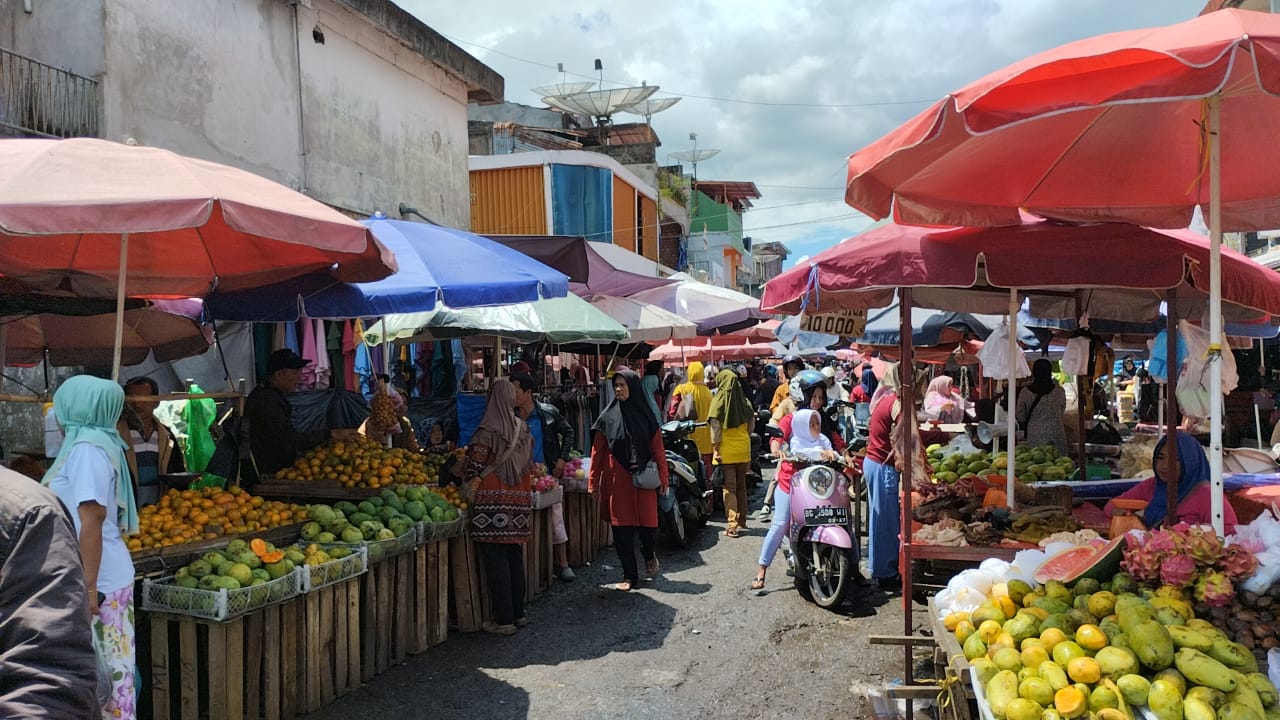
(675,93)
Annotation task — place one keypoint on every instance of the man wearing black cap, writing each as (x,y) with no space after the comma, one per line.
(274,442)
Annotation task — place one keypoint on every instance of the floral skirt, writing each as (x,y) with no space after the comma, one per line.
(113,639)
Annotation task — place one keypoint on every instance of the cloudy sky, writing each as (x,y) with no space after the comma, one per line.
(786,89)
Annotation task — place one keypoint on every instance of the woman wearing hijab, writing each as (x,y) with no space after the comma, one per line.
(626,439)
(807,442)
(942,403)
(883,480)
(652,390)
(498,461)
(91,477)
(699,395)
(866,387)
(1194,492)
(1040,407)
(730,420)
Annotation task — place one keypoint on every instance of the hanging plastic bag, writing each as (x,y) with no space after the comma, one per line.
(1158,364)
(994,356)
(1194,376)
(198,446)
(1075,361)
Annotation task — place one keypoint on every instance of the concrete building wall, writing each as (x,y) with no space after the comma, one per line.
(216,81)
(64,33)
(516,113)
(383,125)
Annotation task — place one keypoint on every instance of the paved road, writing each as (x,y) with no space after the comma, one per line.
(694,643)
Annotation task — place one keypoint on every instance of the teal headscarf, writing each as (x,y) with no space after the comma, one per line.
(87,409)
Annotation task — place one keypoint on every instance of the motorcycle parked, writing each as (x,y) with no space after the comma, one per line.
(689,503)
(821,535)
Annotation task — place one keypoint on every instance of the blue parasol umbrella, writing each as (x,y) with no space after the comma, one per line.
(437,265)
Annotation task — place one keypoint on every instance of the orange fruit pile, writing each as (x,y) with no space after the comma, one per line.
(183,516)
(359,463)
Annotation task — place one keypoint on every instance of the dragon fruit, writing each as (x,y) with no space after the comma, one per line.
(1141,562)
(1203,547)
(1161,543)
(1238,563)
(1214,589)
(1177,570)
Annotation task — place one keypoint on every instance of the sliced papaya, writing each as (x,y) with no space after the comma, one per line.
(271,557)
(259,547)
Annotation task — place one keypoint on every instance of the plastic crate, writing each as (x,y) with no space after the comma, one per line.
(164,596)
(379,549)
(430,531)
(315,577)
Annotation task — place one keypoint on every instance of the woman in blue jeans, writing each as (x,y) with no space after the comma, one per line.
(883,484)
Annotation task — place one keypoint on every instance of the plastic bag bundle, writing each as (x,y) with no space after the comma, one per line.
(994,356)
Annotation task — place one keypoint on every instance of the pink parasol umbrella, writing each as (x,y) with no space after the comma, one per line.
(99,219)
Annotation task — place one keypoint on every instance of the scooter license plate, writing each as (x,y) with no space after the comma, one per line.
(826,515)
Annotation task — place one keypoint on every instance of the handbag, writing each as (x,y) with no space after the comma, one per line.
(688,409)
(647,478)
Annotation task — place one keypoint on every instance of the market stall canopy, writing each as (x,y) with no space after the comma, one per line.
(192,225)
(713,349)
(170,329)
(1037,134)
(589,272)
(1121,271)
(711,307)
(644,322)
(1252,330)
(562,320)
(930,328)
(436,265)
(765,331)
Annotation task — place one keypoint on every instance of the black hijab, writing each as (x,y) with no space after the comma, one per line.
(1042,377)
(629,426)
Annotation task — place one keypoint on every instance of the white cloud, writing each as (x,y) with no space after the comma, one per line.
(824,52)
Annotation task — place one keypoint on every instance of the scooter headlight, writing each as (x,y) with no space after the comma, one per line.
(820,480)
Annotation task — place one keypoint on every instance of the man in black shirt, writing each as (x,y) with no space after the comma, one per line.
(274,442)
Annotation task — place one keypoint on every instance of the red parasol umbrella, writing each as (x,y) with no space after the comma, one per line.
(168,330)
(101,219)
(1138,126)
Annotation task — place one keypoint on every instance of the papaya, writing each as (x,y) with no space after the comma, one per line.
(1236,711)
(1232,655)
(1266,691)
(1214,698)
(1184,637)
(1165,700)
(1134,689)
(1196,709)
(1002,690)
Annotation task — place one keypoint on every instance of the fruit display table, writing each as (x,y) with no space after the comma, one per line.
(588,531)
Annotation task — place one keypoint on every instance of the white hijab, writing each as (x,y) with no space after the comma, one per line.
(804,443)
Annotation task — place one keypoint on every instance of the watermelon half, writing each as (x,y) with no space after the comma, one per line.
(1098,560)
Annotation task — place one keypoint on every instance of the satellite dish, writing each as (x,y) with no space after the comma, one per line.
(695,156)
(649,108)
(600,104)
(563,88)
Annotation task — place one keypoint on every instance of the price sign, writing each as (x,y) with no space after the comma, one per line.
(850,323)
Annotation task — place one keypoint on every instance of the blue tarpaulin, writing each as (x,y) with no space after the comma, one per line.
(582,201)
(436,264)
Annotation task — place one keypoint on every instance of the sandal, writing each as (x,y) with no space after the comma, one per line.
(624,586)
(651,568)
(731,532)
(757,584)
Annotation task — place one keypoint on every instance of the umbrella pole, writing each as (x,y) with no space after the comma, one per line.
(1215,316)
(1080,391)
(4,351)
(1171,398)
(120,283)
(1011,423)
(907,415)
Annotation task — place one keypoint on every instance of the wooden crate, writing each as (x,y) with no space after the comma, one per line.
(386,628)
(275,663)
(588,531)
(430,607)
(539,556)
(465,599)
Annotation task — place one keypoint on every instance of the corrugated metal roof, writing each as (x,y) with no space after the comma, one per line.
(730,192)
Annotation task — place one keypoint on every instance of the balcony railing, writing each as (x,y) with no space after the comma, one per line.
(42,100)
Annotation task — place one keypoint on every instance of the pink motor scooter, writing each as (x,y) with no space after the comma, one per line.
(822,543)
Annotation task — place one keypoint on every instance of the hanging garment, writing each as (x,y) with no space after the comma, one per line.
(307,378)
(320,348)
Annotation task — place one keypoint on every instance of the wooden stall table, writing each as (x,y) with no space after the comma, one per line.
(588,531)
(280,661)
(470,603)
